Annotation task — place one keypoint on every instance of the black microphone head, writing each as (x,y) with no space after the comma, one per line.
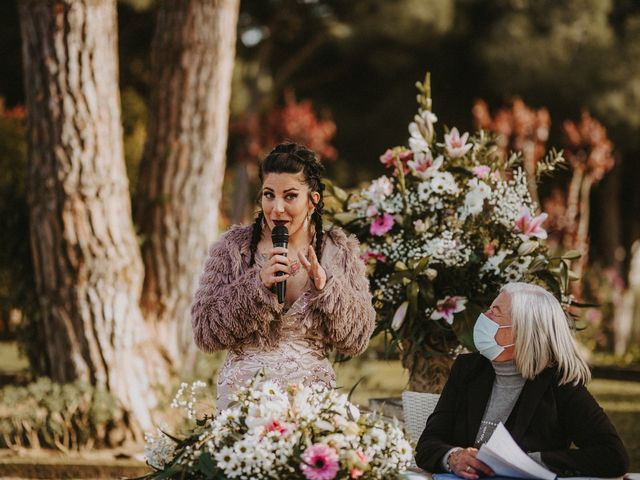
(279,235)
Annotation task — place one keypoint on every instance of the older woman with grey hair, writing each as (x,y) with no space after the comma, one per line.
(530,375)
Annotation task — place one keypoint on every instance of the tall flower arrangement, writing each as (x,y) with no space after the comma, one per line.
(441,232)
(299,433)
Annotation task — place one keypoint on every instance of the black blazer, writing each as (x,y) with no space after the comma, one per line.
(546,418)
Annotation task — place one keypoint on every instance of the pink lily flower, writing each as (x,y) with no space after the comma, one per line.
(447,307)
(457,145)
(530,226)
(370,254)
(388,158)
(481,171)
(424,165)
(381,225)
(372,211)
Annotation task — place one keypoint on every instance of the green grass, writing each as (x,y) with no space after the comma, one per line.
(621,401)
(10,358)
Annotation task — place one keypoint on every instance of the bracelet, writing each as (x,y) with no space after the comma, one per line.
(447,463)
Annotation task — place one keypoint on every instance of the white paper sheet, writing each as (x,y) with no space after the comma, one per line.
(507,459)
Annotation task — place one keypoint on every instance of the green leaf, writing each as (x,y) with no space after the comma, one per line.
(345,217)
(413,289)
(206,464)
(353,389)
(400,266)
(340,194)
(423,263)
(571,255)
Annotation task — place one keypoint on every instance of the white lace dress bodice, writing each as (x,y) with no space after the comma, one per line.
(299,357)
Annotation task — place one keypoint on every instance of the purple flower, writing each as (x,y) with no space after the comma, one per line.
(381,225)
(320,462)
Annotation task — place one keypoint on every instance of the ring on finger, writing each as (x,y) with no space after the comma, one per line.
(468,469)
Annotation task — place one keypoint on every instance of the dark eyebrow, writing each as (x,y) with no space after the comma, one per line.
(293,189)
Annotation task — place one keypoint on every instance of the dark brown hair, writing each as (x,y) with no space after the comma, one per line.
(293,158)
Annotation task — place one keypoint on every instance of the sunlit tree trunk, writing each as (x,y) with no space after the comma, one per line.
(86,258)
(182,169)
(628,312)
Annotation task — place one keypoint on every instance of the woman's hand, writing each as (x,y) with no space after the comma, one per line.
(465,464)
(311,264)
(277,262)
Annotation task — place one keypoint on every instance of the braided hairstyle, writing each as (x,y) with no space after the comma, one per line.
(293,158)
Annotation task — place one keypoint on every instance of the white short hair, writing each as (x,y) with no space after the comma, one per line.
(542,335)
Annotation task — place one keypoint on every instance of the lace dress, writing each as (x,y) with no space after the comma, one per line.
(299,357)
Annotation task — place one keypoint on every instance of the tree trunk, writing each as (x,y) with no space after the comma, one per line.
(628,313)
(87,264)
(182,168)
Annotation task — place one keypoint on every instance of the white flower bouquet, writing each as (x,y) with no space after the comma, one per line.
(303,432)
(451,222)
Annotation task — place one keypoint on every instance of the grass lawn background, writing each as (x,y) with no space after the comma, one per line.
(620,399)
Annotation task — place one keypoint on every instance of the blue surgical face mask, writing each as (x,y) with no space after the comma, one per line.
(484,337)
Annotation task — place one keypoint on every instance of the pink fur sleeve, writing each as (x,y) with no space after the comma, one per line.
(344,304)
(232,306)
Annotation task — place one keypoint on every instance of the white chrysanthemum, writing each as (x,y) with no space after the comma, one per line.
(473,204)
(444,183)
(376,438)
(492,264)
(224,458)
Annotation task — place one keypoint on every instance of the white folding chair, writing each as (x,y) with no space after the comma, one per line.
(416,408)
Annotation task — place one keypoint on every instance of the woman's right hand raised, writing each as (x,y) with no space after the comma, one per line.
(276,262)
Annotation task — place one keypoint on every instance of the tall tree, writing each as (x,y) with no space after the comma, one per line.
(183,163)
(87,263)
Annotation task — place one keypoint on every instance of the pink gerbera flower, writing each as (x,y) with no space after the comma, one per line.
(381,225)
(320,462)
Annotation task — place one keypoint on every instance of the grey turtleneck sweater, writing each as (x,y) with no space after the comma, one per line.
(506,390)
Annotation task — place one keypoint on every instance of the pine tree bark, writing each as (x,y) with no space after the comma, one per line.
(87,262)
(181,173)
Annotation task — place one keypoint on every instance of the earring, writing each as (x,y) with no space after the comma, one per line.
(306,223)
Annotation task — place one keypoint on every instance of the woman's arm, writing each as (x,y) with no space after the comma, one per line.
(231,302)
(436,439)
(344,304)
(600,451)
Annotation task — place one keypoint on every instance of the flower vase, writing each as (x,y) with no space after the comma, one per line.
(427,372)
(429,366)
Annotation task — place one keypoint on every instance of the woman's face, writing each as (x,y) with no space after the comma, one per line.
(286,201)
(500,312)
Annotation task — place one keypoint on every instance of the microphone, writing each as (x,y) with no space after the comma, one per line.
(280,238)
